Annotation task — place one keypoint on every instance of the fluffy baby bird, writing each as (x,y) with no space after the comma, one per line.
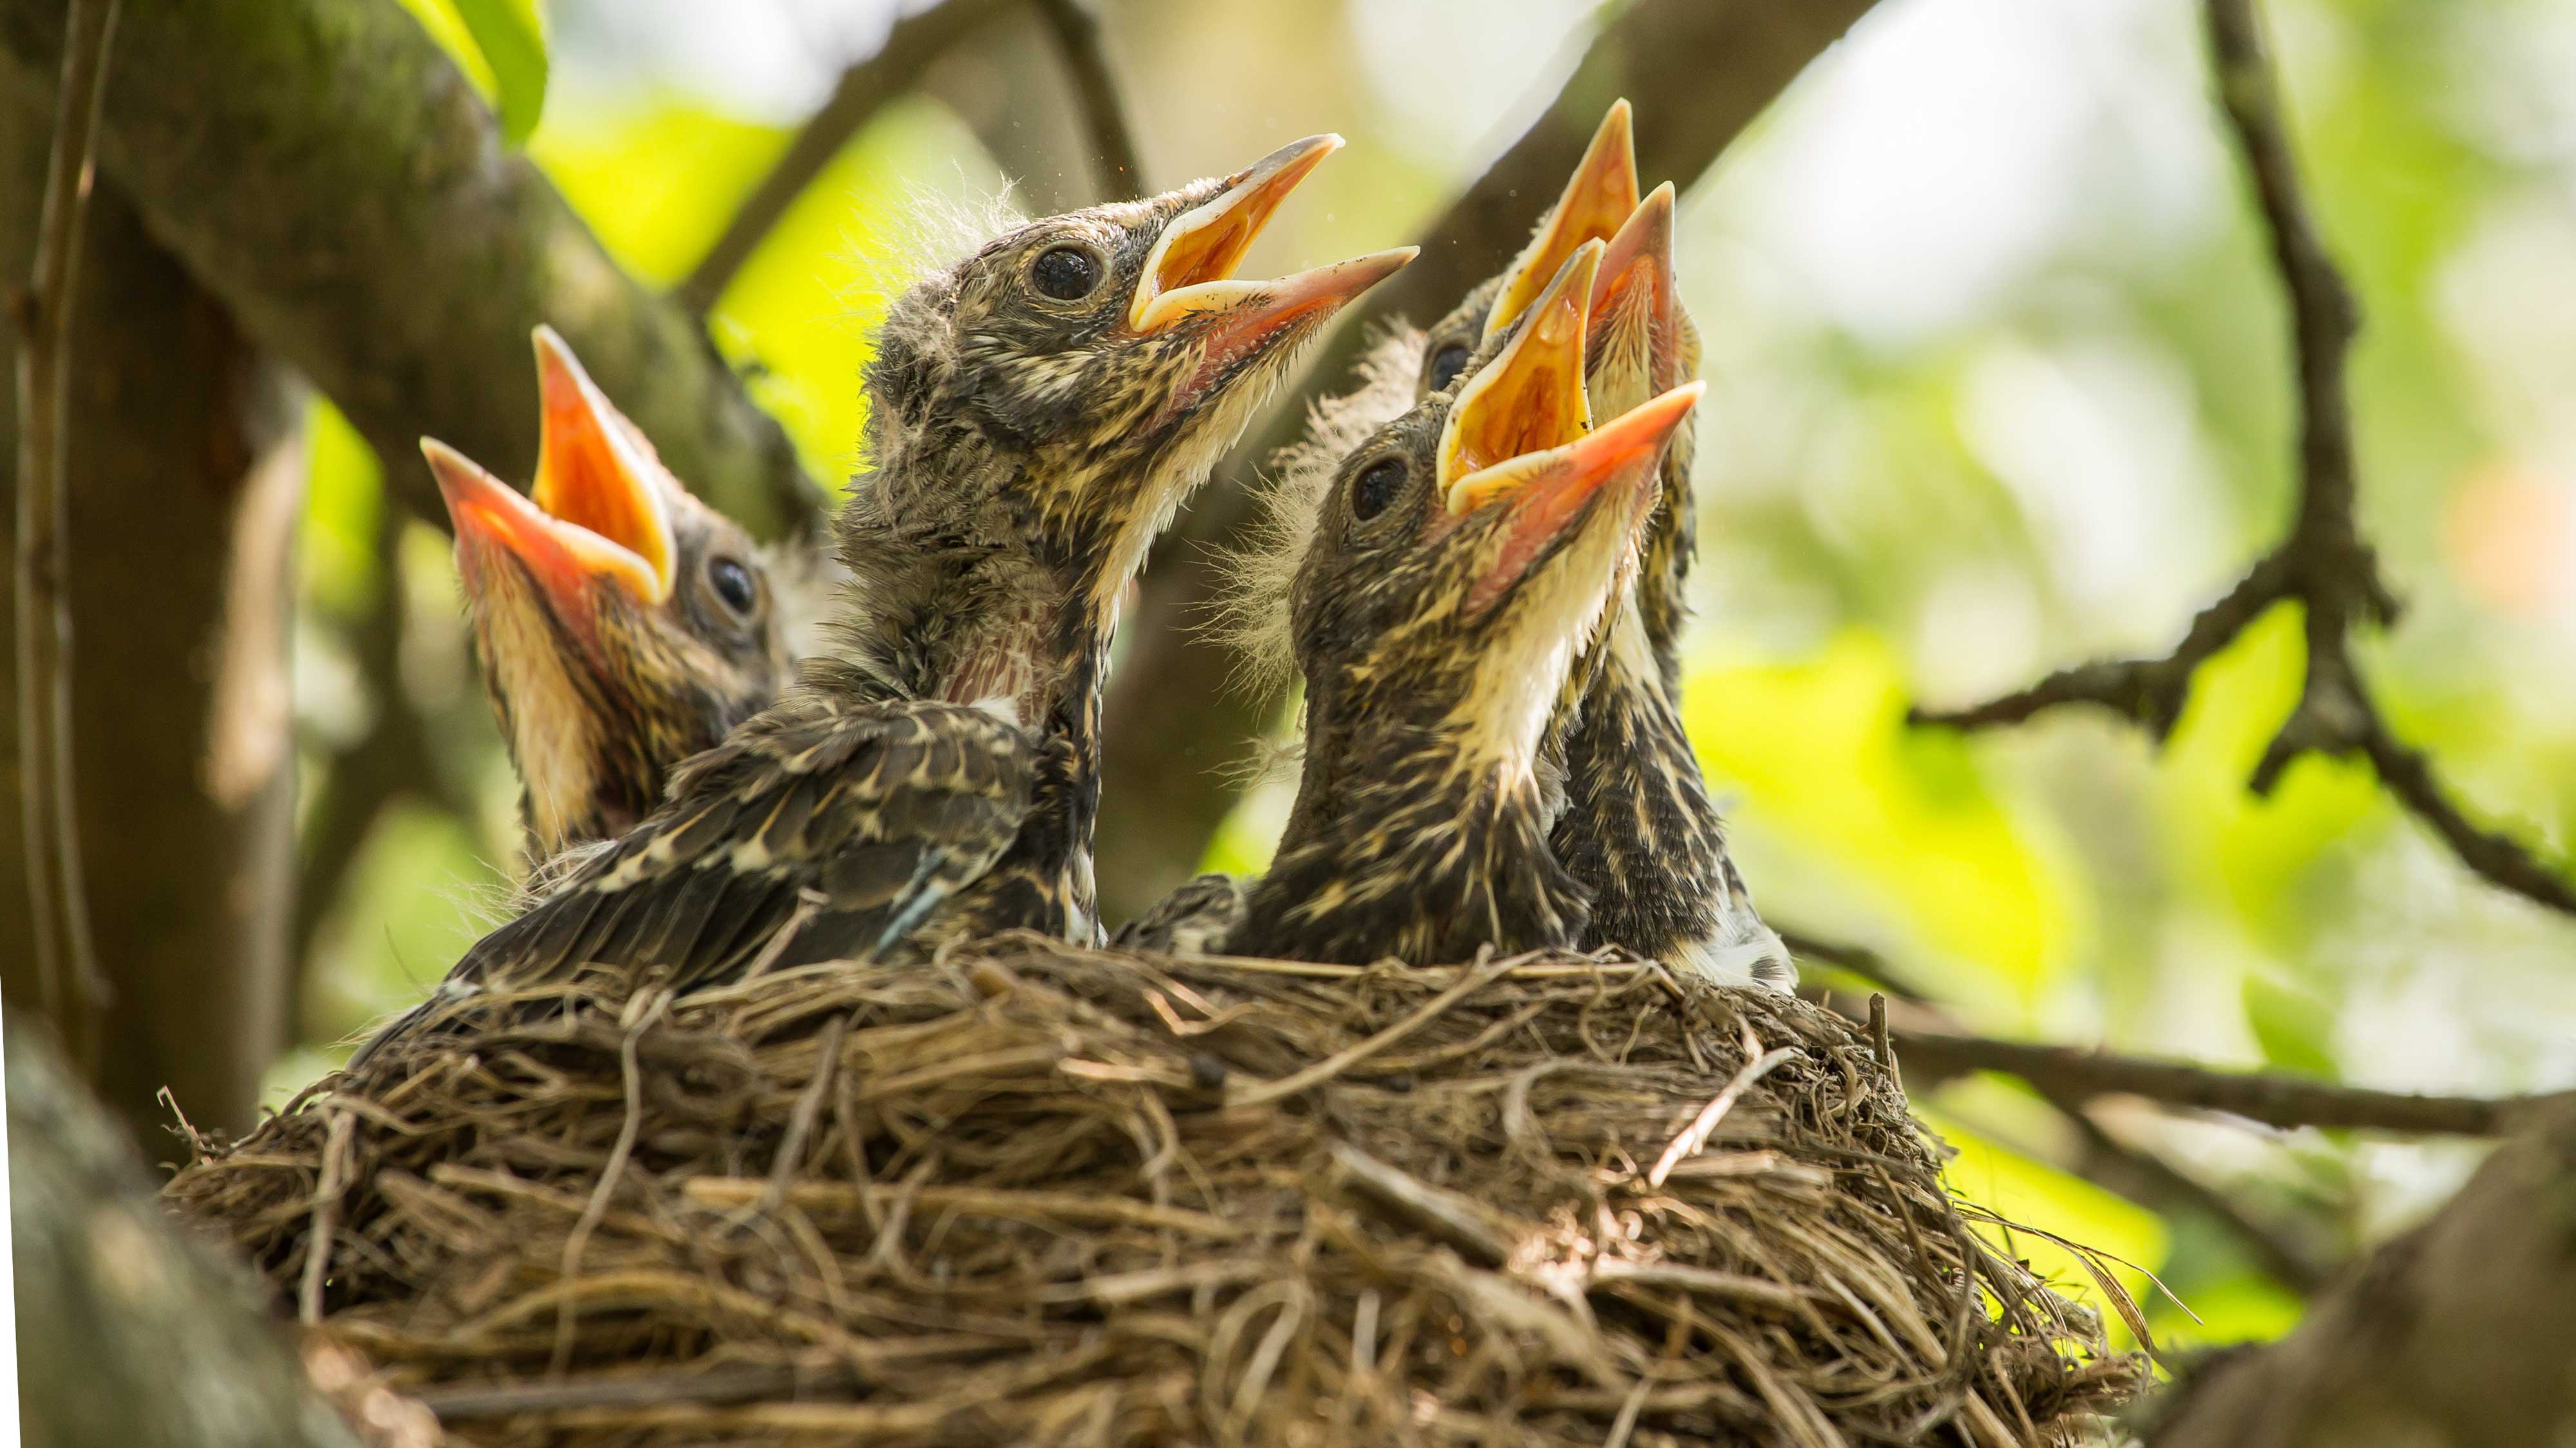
(1037,412)
(1637,827)
(1449,572)
(621,624)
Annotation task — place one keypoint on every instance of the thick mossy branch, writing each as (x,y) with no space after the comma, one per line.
(327,172)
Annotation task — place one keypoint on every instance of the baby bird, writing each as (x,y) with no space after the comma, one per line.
(1637,826)
(1037,412)
(1451,584)
(621,624)
(1450,570)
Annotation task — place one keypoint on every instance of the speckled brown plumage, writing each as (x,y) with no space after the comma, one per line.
(620,624)
(1631,814)
(1435,624)
(1036,413)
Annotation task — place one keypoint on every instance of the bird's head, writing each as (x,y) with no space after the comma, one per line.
(1465,554)
(622,624)
(1059,392)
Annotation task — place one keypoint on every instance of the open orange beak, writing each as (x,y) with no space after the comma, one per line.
(1635,294)
(1548,493)
(1192,264)
(1530,398)
(1597,202)
(595,473)
(1190,271)
(492,521)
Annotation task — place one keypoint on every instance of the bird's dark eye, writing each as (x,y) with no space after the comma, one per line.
(1066,273)
(1446,364)
(1375,487)
(732,583)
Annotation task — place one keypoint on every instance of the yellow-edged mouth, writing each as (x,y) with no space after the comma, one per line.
(1530,398)
(596,474)
(1546,493)
(1192,264)
(562,558)
(1598,199)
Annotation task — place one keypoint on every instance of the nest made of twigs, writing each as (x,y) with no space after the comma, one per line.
(1037,1194)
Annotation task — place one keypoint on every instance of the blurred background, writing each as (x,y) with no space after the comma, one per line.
(1999,382)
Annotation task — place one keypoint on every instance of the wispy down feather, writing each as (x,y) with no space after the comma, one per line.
(1251,614)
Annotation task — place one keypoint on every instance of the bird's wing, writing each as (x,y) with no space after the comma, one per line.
(870,815)
(1192,920)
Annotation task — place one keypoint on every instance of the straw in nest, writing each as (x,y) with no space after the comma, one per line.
(1046,1195)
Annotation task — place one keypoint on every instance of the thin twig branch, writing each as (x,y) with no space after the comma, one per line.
(393,759)
(2135,1172)
(2324,564)
(74,990)
(2072,1074)
(1076,29)
(863,89)
(2144,1176)
(1858,960)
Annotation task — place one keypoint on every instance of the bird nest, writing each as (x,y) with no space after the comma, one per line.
(1037,1194)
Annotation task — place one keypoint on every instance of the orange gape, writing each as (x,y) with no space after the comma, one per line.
(596,473)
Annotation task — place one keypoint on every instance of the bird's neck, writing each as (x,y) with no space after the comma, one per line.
(950,619)
(1403,845)
(1642,836)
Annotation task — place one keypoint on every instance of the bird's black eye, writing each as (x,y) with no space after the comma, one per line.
(1375,487)
(1446,364)
(732,583)
(1066,273)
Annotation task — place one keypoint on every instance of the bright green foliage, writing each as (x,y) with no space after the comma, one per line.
(501,44)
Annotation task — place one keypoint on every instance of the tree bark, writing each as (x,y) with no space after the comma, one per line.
(323,169)
(2455,1335)
(1699,72)
(180,711)
(129,1333)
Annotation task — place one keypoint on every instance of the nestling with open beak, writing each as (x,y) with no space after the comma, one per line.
(1459,561)
(622,625)
(1638,827)
(1037,412)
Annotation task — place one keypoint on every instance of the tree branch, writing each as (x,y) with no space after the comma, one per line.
(2134,1172)
(1699,71)
(2073,1074)
(74,990)
(2455,1333)
(1114,158)
(863,89)
(253,112)
(2324,564)
(392,759)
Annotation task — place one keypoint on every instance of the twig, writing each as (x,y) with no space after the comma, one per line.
(510,1399)
(1436,1211)
(2131,1171)
(393,759)
(336,1146)
(1857,960)
(1076,29)
(58,901)
(2324,564)
(863,89)
(1696,1135)
(2073,1074)
(2145,1176)
(1470,981)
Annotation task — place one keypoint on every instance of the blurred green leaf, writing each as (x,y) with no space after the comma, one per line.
(2295,1027)
(512,37)
(501,47)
